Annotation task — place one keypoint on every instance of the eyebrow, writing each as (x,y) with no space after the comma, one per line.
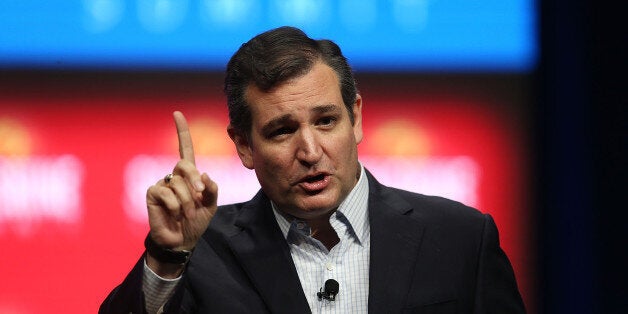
(281,120)
(325,108)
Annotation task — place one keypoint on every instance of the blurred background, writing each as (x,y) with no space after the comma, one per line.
(508,106)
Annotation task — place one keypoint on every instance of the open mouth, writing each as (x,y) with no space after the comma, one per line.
(315,184)
(315,178)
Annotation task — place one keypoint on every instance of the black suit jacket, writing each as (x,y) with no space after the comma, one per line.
(428,255)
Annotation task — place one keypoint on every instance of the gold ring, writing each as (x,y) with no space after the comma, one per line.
(168,178)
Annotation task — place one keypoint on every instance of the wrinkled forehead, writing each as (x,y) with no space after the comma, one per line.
(319,86)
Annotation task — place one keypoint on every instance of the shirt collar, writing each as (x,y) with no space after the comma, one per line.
(354,208)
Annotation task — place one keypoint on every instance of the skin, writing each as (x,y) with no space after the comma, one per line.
(302,146)
(180,211)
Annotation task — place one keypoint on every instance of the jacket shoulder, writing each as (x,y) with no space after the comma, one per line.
(437,208)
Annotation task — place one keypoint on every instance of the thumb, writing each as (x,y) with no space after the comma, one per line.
(210,194)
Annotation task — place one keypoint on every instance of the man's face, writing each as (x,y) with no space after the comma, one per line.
(302,144)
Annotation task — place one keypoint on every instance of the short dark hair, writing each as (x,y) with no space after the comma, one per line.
(274,57)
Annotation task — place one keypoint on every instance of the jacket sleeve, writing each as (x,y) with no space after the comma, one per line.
(128,296)
(496,290)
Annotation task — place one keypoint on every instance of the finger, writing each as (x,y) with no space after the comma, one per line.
(186,149)
(183,193)
(188,171)
(163,199)
(207,198)
(210,195)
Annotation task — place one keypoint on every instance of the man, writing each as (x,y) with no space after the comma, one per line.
(296,119)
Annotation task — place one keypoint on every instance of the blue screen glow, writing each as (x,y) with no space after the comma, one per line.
(376,35)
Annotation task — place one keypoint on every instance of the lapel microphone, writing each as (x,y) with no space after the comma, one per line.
(330,290)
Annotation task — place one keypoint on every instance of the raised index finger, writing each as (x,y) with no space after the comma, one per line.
(186,150)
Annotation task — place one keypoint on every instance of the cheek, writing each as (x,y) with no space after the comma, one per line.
(345,144)
(272,163)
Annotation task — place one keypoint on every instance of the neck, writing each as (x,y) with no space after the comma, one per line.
(322,230)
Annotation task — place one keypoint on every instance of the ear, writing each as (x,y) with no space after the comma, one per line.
(357,119)
(241,141)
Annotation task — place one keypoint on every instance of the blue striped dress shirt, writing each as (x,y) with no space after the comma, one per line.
(347,262)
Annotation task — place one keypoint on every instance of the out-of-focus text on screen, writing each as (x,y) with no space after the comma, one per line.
(75,164)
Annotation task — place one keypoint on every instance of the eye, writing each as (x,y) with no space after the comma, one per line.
(327,121)
(280,131)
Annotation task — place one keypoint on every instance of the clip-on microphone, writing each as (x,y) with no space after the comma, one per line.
(330,291)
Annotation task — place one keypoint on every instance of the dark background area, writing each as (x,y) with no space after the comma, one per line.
(581,141)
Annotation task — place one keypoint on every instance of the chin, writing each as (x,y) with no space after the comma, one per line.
(322,205)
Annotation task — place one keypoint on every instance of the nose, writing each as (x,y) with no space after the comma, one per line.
(309,150)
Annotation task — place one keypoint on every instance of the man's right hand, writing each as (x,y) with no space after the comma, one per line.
(179,211)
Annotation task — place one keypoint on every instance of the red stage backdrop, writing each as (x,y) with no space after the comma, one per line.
(75,165)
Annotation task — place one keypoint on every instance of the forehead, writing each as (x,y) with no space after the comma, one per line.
(318,87)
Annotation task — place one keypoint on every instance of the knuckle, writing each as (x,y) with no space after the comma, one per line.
(183,164)
(162,192)
(180,163)
(185,168)
(154,192)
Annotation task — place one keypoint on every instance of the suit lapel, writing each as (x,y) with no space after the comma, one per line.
(263,252)
(395,241)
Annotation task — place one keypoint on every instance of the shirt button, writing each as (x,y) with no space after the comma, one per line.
(329,266)
(301,225)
